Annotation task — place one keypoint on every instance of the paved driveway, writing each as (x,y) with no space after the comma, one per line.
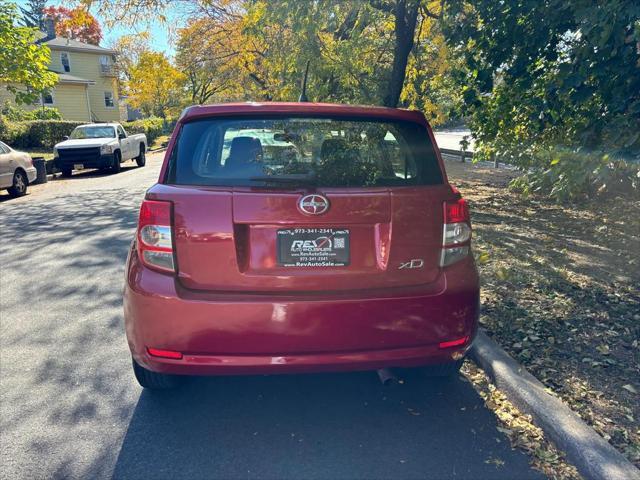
(70,407)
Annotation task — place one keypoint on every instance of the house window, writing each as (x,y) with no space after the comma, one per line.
(108,99)
(64,59)
(47,98)
(105,64)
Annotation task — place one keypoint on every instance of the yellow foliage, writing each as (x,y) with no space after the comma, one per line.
(156,86)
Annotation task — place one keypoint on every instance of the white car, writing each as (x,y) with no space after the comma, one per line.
(99,145)
(16,170)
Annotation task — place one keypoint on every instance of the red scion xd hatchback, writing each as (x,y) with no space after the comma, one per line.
(299,237)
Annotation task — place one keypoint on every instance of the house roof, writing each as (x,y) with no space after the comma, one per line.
(66,78)
(62,43)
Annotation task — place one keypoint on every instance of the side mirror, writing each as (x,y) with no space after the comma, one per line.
(121,136)
(66,137)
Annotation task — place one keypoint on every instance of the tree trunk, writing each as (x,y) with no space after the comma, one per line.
(406,16)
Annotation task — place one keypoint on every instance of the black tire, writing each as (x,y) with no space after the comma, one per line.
(443,369)
(20,183)
(141,159)
(66,172)
(116,167)
(153,380)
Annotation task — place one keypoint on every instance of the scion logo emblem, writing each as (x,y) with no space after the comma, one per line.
(313,204)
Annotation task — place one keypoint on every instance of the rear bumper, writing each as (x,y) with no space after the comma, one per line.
(101,161)
(32,174)
(227,334)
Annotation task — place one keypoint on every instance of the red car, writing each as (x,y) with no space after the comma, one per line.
(299,237)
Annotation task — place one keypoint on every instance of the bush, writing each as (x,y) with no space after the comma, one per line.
(35,133)
(152,127)
(16,114)
(569,175)
(14,134)
(46,133)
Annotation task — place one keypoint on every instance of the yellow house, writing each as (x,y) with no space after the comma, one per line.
(87,88)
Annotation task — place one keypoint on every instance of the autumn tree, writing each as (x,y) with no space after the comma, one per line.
(156,86)
(77,24)
(204,54)
(129,49)
(23,62)
(388,52)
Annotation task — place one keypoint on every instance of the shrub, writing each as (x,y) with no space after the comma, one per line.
(152,127)
(14,134)
(569,175)
(46,133)
(17,114)
(35,133)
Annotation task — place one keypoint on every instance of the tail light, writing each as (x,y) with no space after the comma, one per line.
(456,233)
(155,245)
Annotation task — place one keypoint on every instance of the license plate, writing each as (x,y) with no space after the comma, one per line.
(78,166)
(313,247)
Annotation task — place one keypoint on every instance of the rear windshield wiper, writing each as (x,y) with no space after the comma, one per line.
(288,180)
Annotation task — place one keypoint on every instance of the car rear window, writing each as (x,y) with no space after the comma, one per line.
(327,152)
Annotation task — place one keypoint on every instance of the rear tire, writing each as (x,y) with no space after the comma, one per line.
(153,380)
(443,369)
(19,186)
(117,166)
(141,159)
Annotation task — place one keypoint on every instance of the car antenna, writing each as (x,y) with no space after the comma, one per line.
(303,95)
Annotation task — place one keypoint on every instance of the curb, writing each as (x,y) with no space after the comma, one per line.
(594,457)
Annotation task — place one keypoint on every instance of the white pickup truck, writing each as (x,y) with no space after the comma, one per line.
(99,145)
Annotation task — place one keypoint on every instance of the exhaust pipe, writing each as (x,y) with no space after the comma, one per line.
(387,377)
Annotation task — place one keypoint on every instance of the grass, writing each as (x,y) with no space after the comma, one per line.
(560,294)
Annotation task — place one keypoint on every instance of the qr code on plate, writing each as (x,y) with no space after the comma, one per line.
(338,243)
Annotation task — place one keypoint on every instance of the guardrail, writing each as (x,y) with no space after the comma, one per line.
(461,154)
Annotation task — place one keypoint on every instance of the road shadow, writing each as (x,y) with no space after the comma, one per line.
(94,172)
(71,408)
(78,175)
(316,426)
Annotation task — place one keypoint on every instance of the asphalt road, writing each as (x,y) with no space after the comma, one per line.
(70,407)
(451,138)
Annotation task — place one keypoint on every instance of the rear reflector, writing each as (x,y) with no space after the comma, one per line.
(454,343)
(156,352)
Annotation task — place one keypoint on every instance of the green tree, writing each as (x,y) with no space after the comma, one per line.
(23,63)
(543,74)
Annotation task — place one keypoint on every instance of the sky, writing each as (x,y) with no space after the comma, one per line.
(160,34)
